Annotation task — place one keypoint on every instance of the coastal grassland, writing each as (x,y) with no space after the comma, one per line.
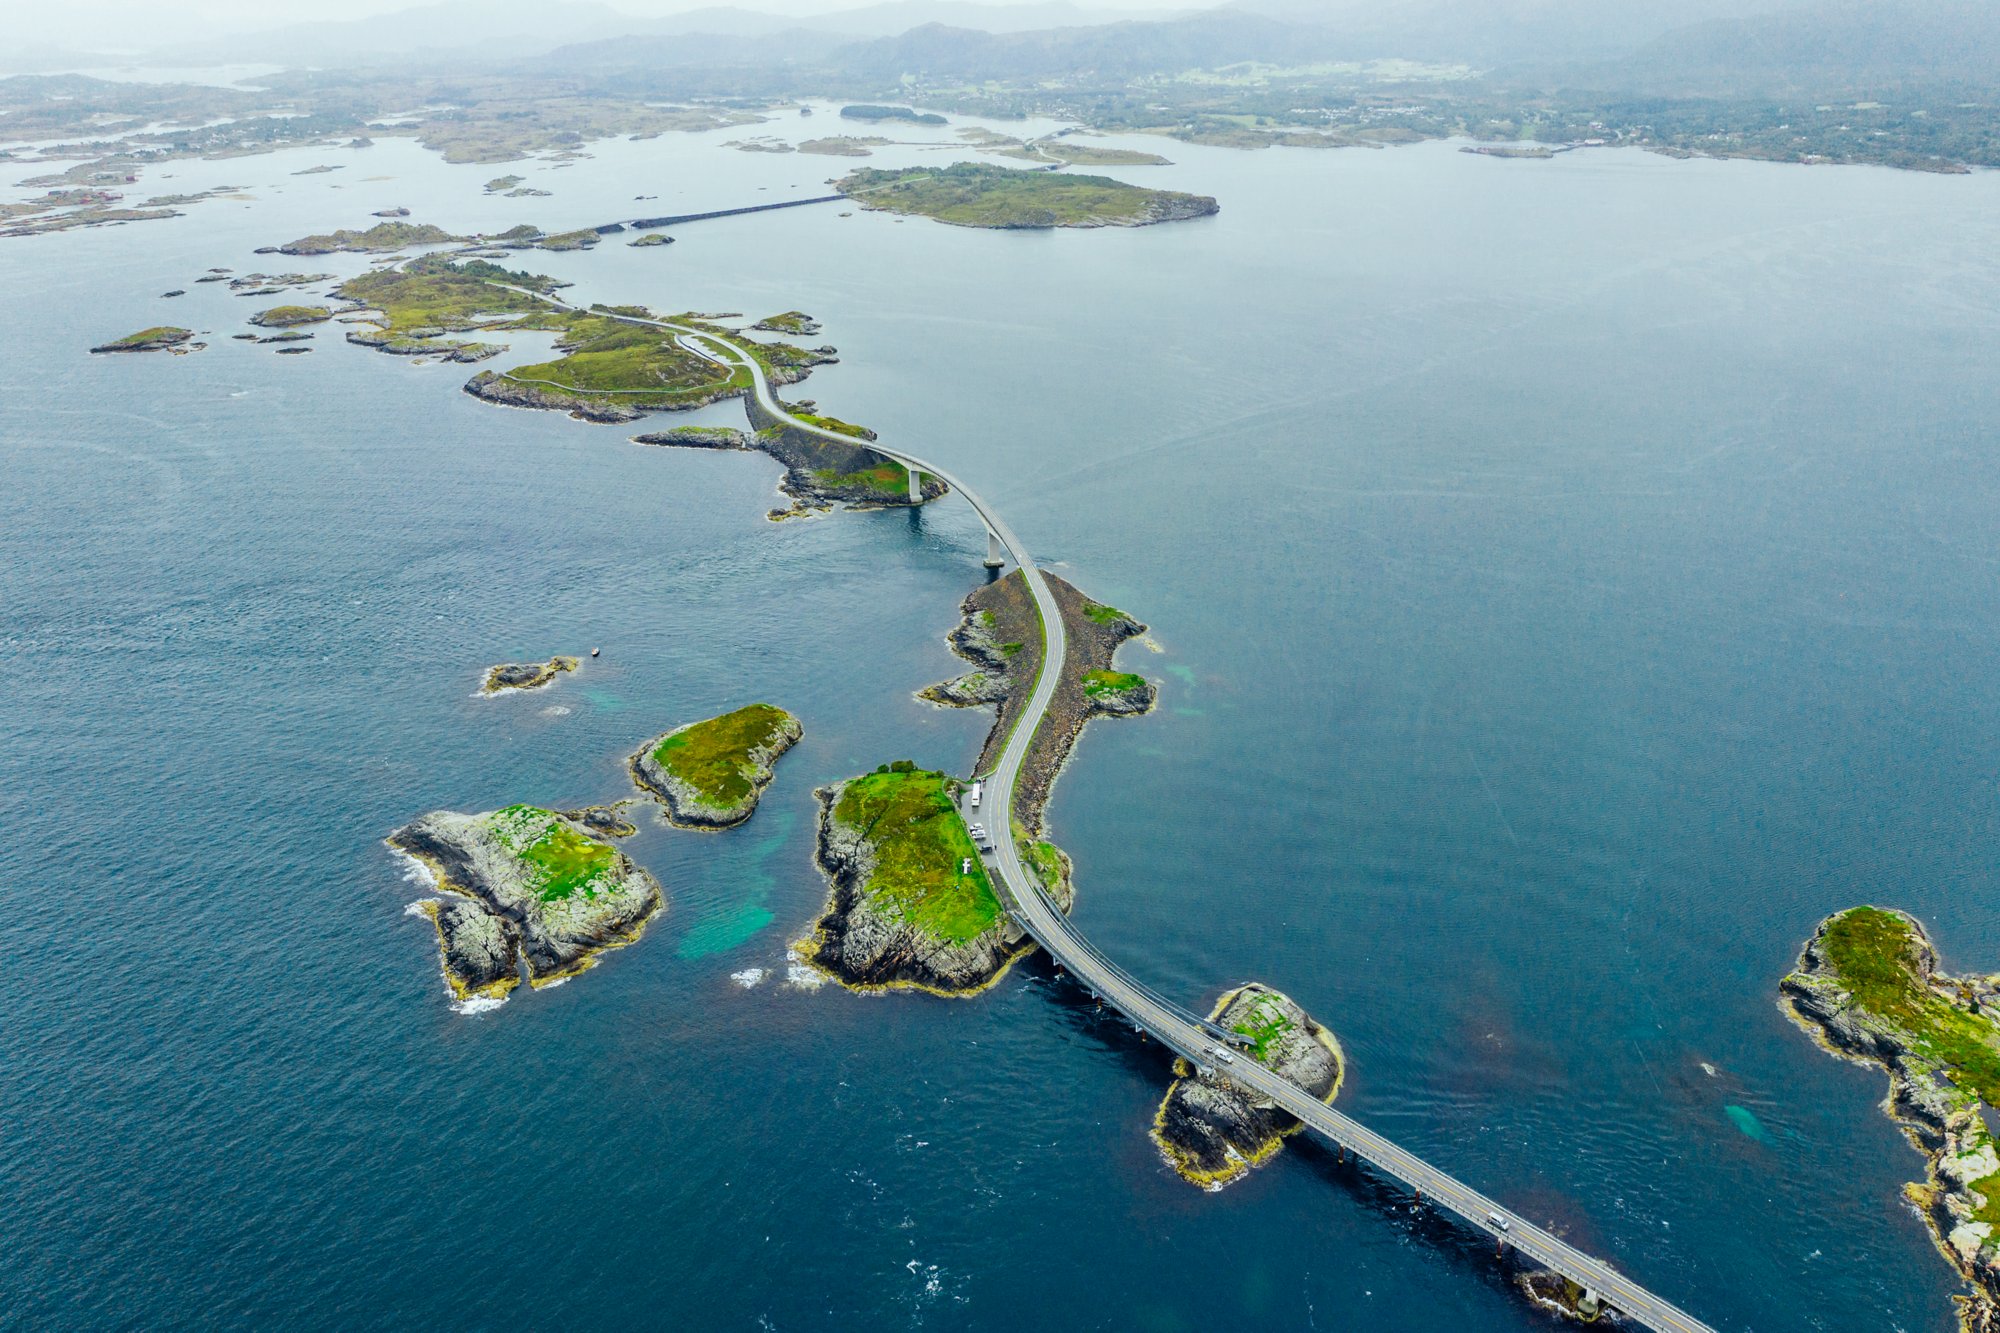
(1875,955)
(889,479)
(290,316)
(605,355)
(382,238)
(434,293)
(561,862)
(1111,682)
(714,757)
(920,844)
(146,340)
(1101,614)
(1046,861)
(795,322)
(972,194)
(834,424)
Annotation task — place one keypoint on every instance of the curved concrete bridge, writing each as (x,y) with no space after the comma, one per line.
(1190,1035)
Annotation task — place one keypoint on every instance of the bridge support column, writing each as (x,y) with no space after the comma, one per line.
(995,557)
(916,487)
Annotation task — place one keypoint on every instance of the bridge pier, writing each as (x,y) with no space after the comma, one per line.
(995,557)
(916,487)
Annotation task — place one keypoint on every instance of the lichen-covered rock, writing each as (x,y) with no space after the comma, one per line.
(525,675)
(525,889)
(1908,1017)
(697,437)
(1210,1128)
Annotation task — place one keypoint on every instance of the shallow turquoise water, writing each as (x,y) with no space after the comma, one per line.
(1573,580)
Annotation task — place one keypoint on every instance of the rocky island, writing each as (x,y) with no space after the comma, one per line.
(973,194)
(382,238)
(291,316)
(526,890)
(162,338)
(910,904)
(1868,989)
(1211,1129)
(711,774)
(525,675)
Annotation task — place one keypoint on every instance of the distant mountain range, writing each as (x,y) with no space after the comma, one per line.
(1834,44)
(490,30)
(1667,47)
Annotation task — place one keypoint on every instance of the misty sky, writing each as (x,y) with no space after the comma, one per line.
(102,24)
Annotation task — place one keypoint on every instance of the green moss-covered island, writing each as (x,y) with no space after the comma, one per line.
(1211,1129)
(382,238)
(796,323)
(974,194)
(1868,988)
(872,112)
(710,774)
(525,892)
(910,904)
(164,337)
(291,316)
(525,675)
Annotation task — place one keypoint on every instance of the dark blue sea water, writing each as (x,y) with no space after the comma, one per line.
(1573,579)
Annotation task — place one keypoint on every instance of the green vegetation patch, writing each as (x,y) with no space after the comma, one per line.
(561,862)
(1102,614)
(867,111)
(433,293)
(977,194)
(1045,859)
(286,316)
(164,335)
(713,757)
(1111,682)
(834,424)
(1873,955)
(1264,1025)
(603,355)
(889,478)
(381,238)
(921,846)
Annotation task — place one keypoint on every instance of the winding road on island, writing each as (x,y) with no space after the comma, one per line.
(1181,1031)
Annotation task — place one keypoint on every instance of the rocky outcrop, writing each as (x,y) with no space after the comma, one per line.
(711,774)
(423,342)
(290,316)
(525,675)
(495,387)
(608,820)
(1212,1129)
(526,891)
(147,340)
(696,437)
(1936,1104)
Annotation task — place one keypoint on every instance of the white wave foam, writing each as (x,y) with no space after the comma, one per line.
(478,1004)
(749,976)
(803,976)
(415,871)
